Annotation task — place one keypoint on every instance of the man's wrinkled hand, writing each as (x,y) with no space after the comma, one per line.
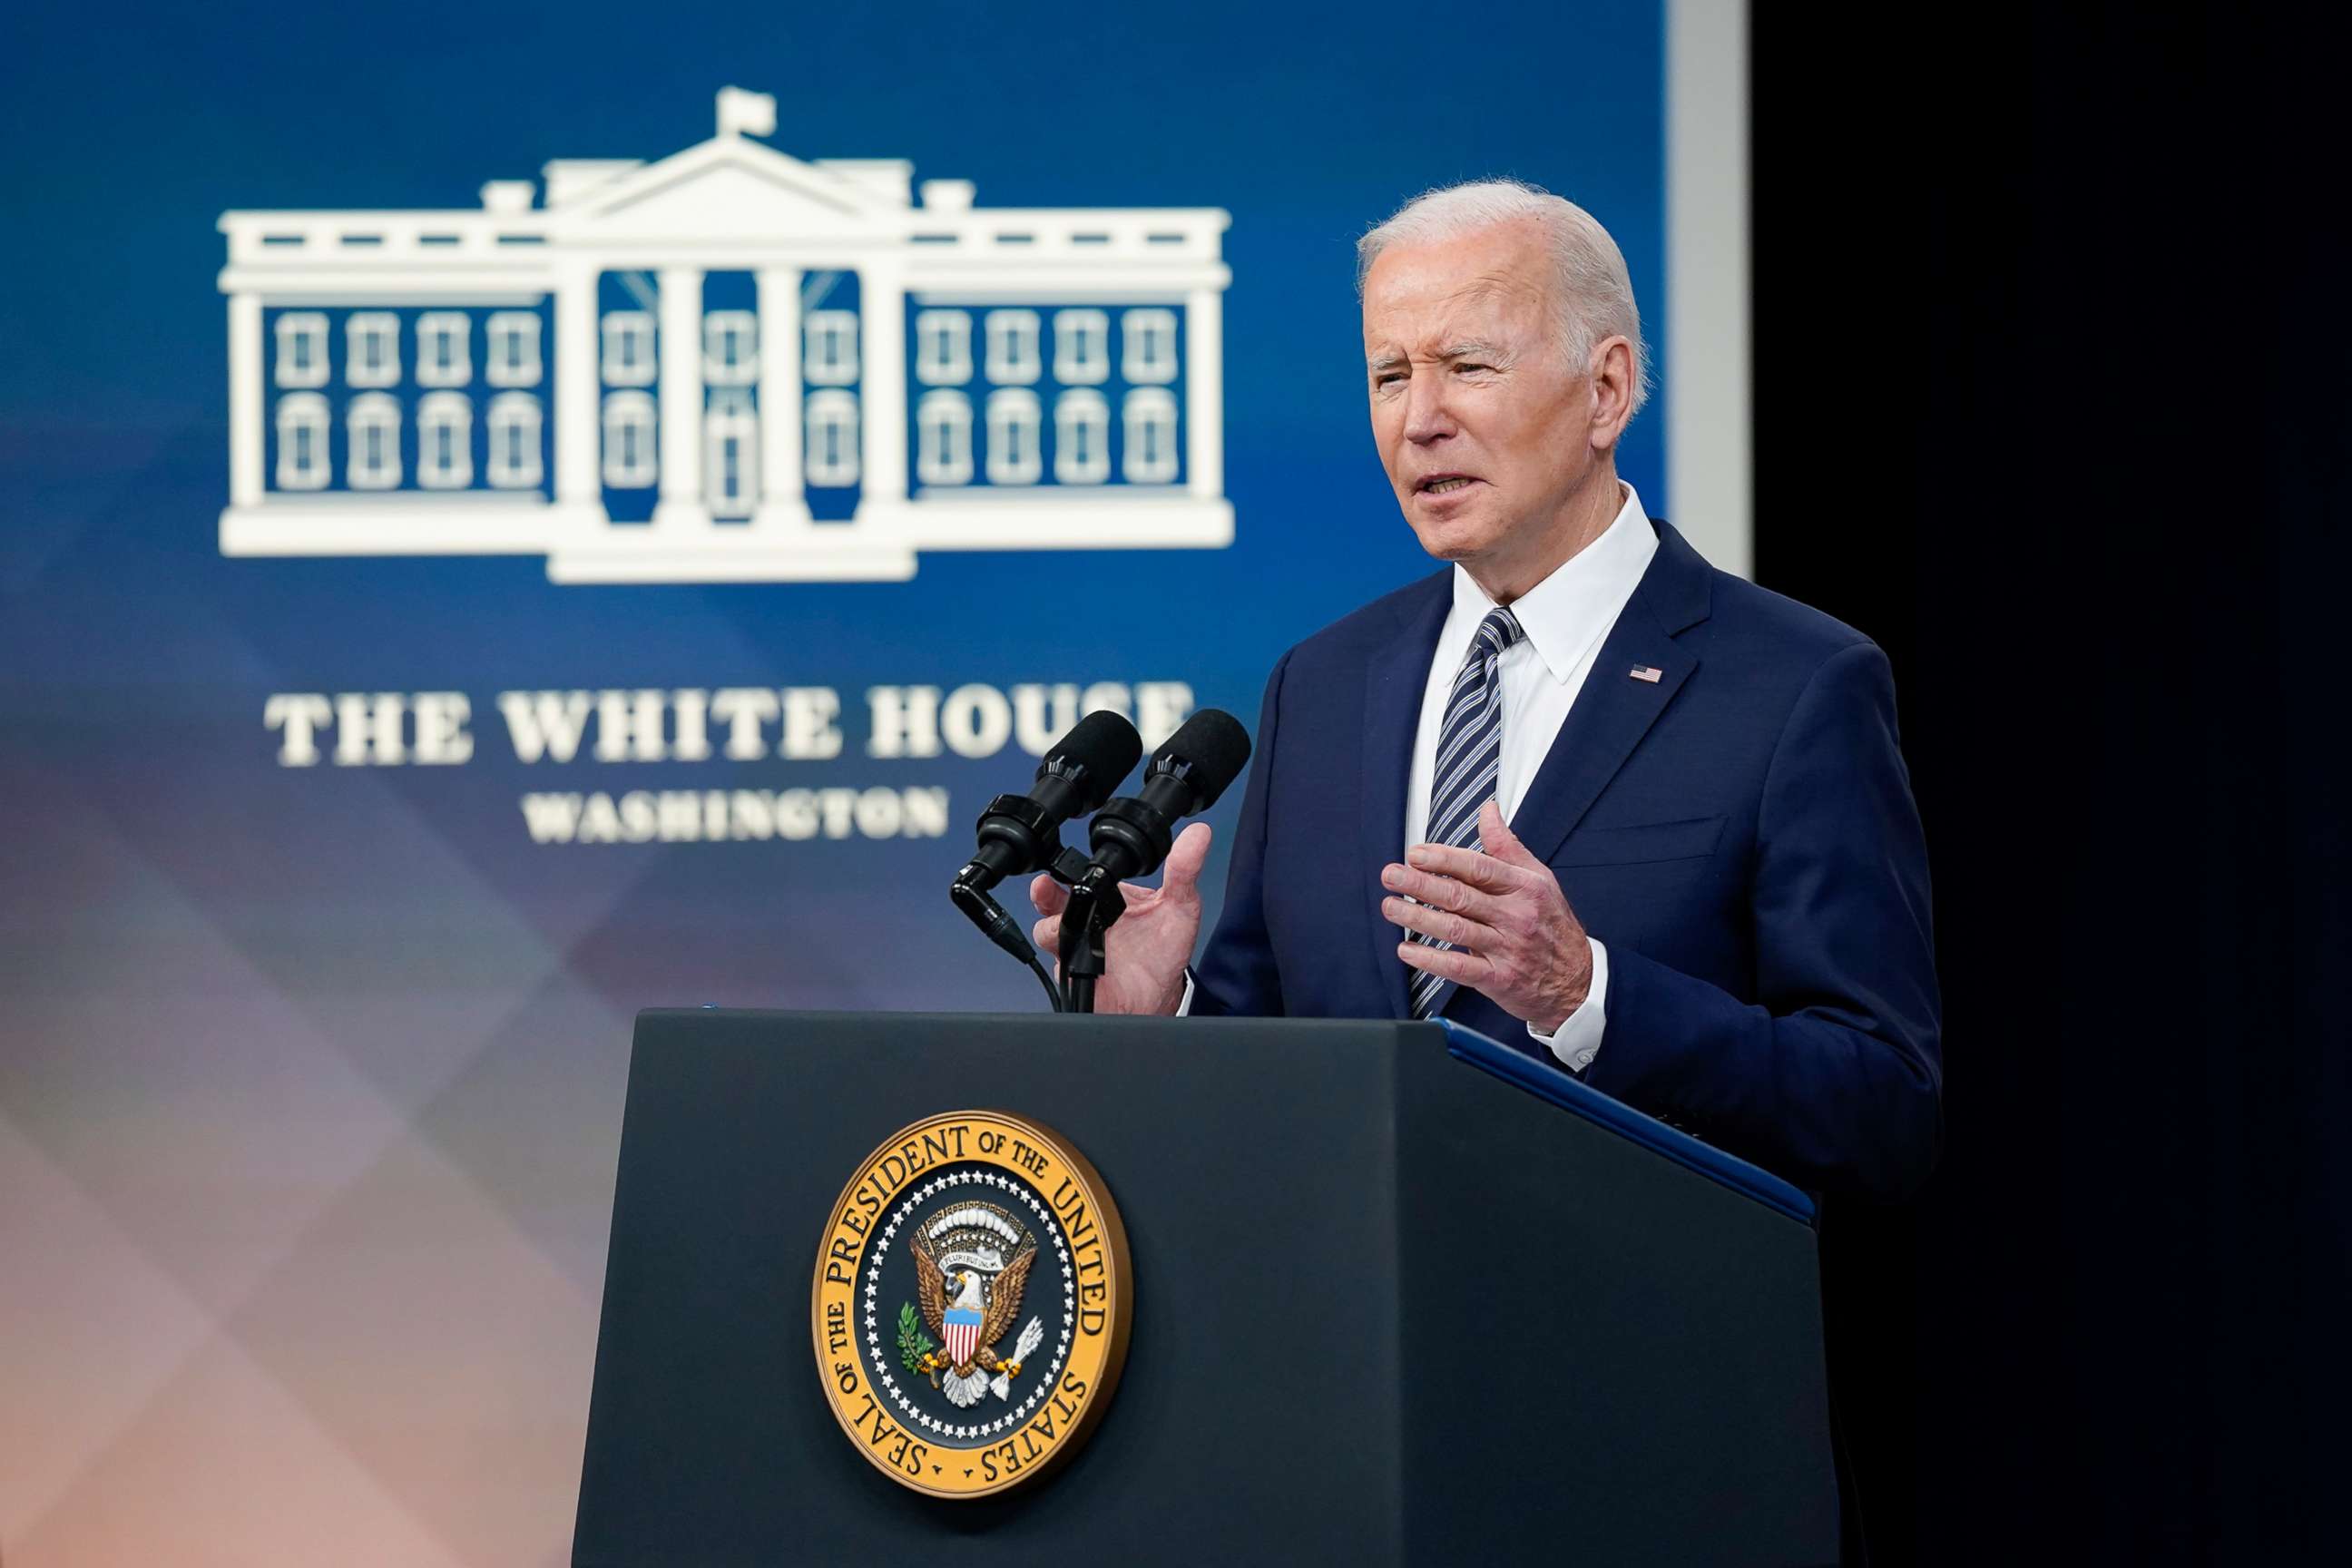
(1515,940)
(1147,950)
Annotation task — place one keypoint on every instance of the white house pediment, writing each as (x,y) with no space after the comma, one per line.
(727,187)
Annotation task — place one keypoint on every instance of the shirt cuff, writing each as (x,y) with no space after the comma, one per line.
(1578,1039)
(1184,1008)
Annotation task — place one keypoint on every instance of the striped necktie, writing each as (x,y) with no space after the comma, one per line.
(1469,754)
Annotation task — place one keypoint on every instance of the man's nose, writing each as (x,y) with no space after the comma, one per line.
(1426,415)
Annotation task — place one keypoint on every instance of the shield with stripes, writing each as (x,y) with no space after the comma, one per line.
(963,1334)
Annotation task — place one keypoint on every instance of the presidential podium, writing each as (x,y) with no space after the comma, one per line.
(1401,1294)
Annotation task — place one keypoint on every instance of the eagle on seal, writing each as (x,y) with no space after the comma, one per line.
(969,1292)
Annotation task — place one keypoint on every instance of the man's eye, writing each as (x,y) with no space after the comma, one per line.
(1471,364)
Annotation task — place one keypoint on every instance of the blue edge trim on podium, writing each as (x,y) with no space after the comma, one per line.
(1561,1089)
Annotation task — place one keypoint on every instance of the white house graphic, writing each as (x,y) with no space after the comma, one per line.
(699,369)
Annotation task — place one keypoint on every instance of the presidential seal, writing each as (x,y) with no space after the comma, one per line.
(971,1305)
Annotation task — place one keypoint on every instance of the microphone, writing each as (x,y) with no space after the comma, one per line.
(1020,834)
(1130,837)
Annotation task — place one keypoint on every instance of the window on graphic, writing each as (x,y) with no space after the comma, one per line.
(1081,437)
(943,438)
(1150,419)
(371,349)
(302,441)
(831,456)
(302,349)
(1081,347)
(731,454)
(831,357)
(1151,346)
(445,441)
(514,348)
(1013,347)
(1014,437)
(372,433)
(943,347)
(629,456)
(444,348)
(730,348)
(514,441)
(628,348)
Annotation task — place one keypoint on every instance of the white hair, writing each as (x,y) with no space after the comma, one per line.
(1592,296)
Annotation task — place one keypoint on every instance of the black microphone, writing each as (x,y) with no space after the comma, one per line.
(1131,836)
(1020,834)
(1023,832)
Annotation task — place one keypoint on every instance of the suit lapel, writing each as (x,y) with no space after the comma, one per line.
(1395,680)
(1615,708)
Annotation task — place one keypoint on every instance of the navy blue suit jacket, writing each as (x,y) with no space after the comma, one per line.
(1740,833)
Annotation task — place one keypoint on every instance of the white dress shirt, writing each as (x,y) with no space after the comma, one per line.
(1565,618)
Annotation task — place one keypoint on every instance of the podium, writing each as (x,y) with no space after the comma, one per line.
(1401,1295)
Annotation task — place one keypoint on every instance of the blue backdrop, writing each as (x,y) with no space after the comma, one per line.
(321,1065)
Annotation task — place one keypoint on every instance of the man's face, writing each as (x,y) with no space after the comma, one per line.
(1486,431)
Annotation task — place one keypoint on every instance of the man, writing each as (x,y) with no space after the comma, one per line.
(1581,789)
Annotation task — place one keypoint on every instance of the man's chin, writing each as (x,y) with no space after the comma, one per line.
(1452,540)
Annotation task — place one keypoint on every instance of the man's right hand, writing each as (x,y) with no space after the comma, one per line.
(1144,960)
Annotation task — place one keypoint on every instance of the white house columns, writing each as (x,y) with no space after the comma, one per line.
(882,312)
(1204,392)
(246,442)
(679,404)
(577,485)
(782,504)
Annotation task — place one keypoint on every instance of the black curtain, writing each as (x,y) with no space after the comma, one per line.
(2054,394)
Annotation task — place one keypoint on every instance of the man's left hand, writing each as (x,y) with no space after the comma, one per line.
(1515,939)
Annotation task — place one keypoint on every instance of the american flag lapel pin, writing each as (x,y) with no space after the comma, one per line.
(1644,672)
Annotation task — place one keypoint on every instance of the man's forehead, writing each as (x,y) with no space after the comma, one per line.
(1450,310)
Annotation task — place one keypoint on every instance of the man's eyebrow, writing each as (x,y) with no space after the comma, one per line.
(1387,359)
(1470,348)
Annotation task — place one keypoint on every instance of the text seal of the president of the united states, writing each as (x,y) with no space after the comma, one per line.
(971,1304)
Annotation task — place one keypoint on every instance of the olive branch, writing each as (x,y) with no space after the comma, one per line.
(914,1345)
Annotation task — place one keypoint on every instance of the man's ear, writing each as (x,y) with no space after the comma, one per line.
(1612,370)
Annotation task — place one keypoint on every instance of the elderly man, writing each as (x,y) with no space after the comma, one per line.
(1579,788)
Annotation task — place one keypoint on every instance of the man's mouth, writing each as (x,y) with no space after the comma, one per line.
(1443,484)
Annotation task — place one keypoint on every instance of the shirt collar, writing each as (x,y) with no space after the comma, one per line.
(1568,612)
